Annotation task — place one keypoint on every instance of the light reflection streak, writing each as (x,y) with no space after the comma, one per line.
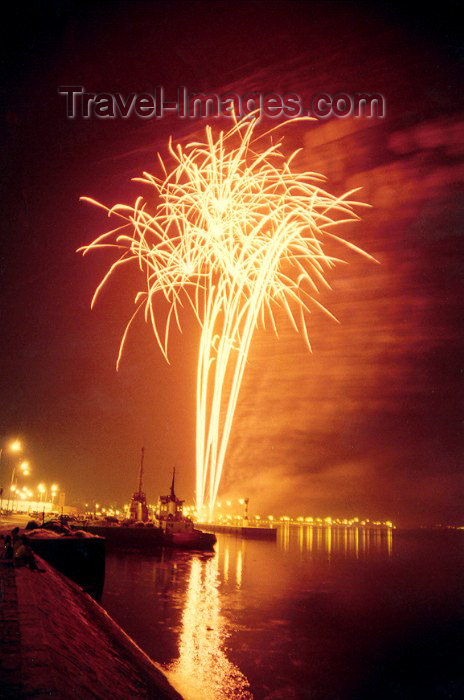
(226,564)
(389,542)
(238,573)
(285,530)
(309,538)
(332,541)
(329,541)
(202,671)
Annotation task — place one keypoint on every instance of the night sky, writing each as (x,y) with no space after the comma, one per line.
(370,424)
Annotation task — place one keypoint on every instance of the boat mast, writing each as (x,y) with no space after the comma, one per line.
(138,507)
(141,470)
(173,495)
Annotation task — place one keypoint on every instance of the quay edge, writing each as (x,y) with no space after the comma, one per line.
(252,533)
(57,641)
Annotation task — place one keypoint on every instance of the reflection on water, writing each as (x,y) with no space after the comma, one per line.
(226,565)
(309,615)
(238,575)
(338,541)
(203,670)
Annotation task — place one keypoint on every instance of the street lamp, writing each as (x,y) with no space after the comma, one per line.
(25,470)
(13,447)
(12,496)
(25,467)
(54,489)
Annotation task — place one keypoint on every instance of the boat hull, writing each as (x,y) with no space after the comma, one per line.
(195,539)
(82,559)
(147,538)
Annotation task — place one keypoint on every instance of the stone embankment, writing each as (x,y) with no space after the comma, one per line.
(56,641)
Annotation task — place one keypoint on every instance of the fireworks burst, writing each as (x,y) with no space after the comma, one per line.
(233,232)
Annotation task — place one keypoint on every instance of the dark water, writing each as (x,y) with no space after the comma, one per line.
(321,614)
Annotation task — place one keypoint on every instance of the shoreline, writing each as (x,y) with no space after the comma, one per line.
(57,641)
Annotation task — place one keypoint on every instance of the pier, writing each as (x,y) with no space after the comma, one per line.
(245,531)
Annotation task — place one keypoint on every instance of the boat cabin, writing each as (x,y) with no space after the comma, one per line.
(170,515)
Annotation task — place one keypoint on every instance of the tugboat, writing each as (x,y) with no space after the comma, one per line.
(135,532)
(178,530)
(169,528)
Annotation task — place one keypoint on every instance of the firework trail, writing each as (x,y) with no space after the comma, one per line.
(233,232)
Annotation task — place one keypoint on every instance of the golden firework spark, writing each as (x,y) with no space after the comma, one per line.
(235,233)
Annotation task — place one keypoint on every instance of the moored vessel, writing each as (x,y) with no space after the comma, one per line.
(168,527)
(178,530)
